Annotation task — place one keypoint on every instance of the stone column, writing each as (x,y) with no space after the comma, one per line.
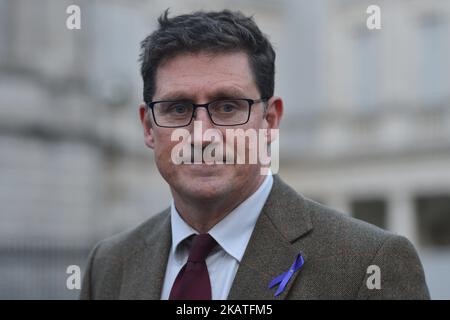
(401,216)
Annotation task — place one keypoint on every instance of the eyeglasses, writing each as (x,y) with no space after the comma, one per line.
(223,112)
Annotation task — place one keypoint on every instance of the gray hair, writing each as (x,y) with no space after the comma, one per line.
(223,31)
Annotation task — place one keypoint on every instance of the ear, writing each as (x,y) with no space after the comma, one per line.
(273,114)
(145,116)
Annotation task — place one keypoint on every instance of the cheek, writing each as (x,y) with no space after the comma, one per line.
(163,145)
(257,119)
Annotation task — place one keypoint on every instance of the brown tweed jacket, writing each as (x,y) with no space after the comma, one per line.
(336,248)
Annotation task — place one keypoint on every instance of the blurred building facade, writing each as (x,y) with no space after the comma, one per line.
(366,127)
(376,143)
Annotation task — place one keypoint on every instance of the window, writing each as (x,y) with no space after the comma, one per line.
(5,31)
(367,69)
(434,53)
(433,216)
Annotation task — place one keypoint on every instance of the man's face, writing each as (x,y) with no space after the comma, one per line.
(201,78)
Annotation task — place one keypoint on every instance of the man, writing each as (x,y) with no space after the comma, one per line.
(232,232)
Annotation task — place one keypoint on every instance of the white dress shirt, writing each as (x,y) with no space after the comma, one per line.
(232,234)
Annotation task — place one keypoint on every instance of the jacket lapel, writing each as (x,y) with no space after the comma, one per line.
(270,252)
(145,269)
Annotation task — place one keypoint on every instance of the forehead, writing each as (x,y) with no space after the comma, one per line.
(198,75)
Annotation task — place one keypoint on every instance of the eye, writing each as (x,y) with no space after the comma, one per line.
(178,108)
(227,107)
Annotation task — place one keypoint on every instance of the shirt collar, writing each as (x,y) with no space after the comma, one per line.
(180,229)
(233,232)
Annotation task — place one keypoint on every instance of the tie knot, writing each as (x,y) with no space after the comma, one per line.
(201,246)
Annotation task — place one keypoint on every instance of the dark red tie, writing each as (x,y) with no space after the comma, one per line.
(192,282)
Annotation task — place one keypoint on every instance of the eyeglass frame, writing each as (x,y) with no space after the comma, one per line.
(250,102)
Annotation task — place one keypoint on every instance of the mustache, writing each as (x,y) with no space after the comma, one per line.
(198,153)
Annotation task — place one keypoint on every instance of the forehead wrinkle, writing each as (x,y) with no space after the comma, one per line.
(205,94)
(209,90)
(202,78)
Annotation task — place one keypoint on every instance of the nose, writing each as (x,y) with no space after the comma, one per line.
(201,114)
(198,129)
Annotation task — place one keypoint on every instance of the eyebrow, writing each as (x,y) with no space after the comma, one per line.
(226,93)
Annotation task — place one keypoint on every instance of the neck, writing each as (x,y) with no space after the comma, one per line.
(204,215)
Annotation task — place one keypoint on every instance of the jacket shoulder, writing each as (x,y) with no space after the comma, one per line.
(106,261)
(352,246)
(127,242)
(338,225)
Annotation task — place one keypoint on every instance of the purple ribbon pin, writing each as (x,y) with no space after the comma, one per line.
(285,277)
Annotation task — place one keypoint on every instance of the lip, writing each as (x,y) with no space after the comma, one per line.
(224,161)
(205,170)
(204,164)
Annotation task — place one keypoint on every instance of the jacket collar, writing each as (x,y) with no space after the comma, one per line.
(269,253)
